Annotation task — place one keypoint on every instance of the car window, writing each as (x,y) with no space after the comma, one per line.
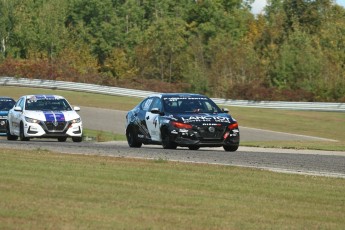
(145,105)
(190,105)
(20,103)
(47,105)
(6,104)
(156,104)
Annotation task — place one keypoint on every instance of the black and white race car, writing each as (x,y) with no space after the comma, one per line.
(186,120)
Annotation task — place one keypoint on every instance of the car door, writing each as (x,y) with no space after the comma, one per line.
(14,117)
(153,120)
(143,132)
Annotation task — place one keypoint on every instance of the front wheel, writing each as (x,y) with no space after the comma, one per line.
(22,136)
(230,148)
(10,137)
(76,139)
(62,139)
(166,141)
(193,147)
(132,139)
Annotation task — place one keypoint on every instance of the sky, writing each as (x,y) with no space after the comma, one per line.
(258,5)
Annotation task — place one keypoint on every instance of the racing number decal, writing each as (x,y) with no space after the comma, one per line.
(153,126)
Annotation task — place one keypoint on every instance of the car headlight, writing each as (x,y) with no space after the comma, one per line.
(78,120)
(31,120)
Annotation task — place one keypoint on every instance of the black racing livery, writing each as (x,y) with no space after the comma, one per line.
(185,120)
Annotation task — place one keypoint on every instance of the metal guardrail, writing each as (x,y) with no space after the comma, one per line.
(91,88)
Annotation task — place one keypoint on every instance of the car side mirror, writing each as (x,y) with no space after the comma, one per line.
(155,111)
(18,109)
(76,108)
(225,110)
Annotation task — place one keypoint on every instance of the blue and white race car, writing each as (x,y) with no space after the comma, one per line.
(6,103)
(186,120)
(44,116)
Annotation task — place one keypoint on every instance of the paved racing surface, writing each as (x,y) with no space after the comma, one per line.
(292,161)
(324,163)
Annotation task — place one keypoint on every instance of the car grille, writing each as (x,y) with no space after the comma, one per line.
(55,126)
(211,132)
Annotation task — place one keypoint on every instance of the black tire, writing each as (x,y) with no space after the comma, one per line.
(10,137)
(166,142)
(132,138)
(62,139)
(77,139)
(230,148)
(22,136)
(193,147)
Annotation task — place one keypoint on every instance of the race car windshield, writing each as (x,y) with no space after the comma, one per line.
(6,104)
(190,105)
(48,105)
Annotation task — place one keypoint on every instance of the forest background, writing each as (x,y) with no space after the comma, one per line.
(294,51)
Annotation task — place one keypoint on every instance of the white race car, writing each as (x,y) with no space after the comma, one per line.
(44,116)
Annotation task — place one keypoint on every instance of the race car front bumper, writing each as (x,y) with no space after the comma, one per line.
(185,138)
(51,129)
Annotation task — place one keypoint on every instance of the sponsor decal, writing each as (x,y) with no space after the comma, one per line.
(184,98)
(155,121)
(206,119)
(45,97)
(41,97)
(211,124)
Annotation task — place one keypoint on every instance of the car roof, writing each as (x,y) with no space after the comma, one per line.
(5,97)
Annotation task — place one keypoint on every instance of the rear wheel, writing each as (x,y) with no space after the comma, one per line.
(22,136)
(10,137)
(132,138)
(166,141)
(230,148)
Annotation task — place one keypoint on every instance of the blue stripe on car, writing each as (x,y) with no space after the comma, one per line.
(54,116)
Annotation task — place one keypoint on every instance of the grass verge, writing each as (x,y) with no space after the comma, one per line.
(44,190)
(102,136)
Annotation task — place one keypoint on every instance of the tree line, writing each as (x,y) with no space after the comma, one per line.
(295,50)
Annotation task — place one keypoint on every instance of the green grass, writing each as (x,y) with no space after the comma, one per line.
(329,125)
(101,136)
(76,98)
(44,190)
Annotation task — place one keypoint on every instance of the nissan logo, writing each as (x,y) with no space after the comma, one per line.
(211,129)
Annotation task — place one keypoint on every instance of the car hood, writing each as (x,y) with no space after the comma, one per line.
(198,118)
(52,115)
